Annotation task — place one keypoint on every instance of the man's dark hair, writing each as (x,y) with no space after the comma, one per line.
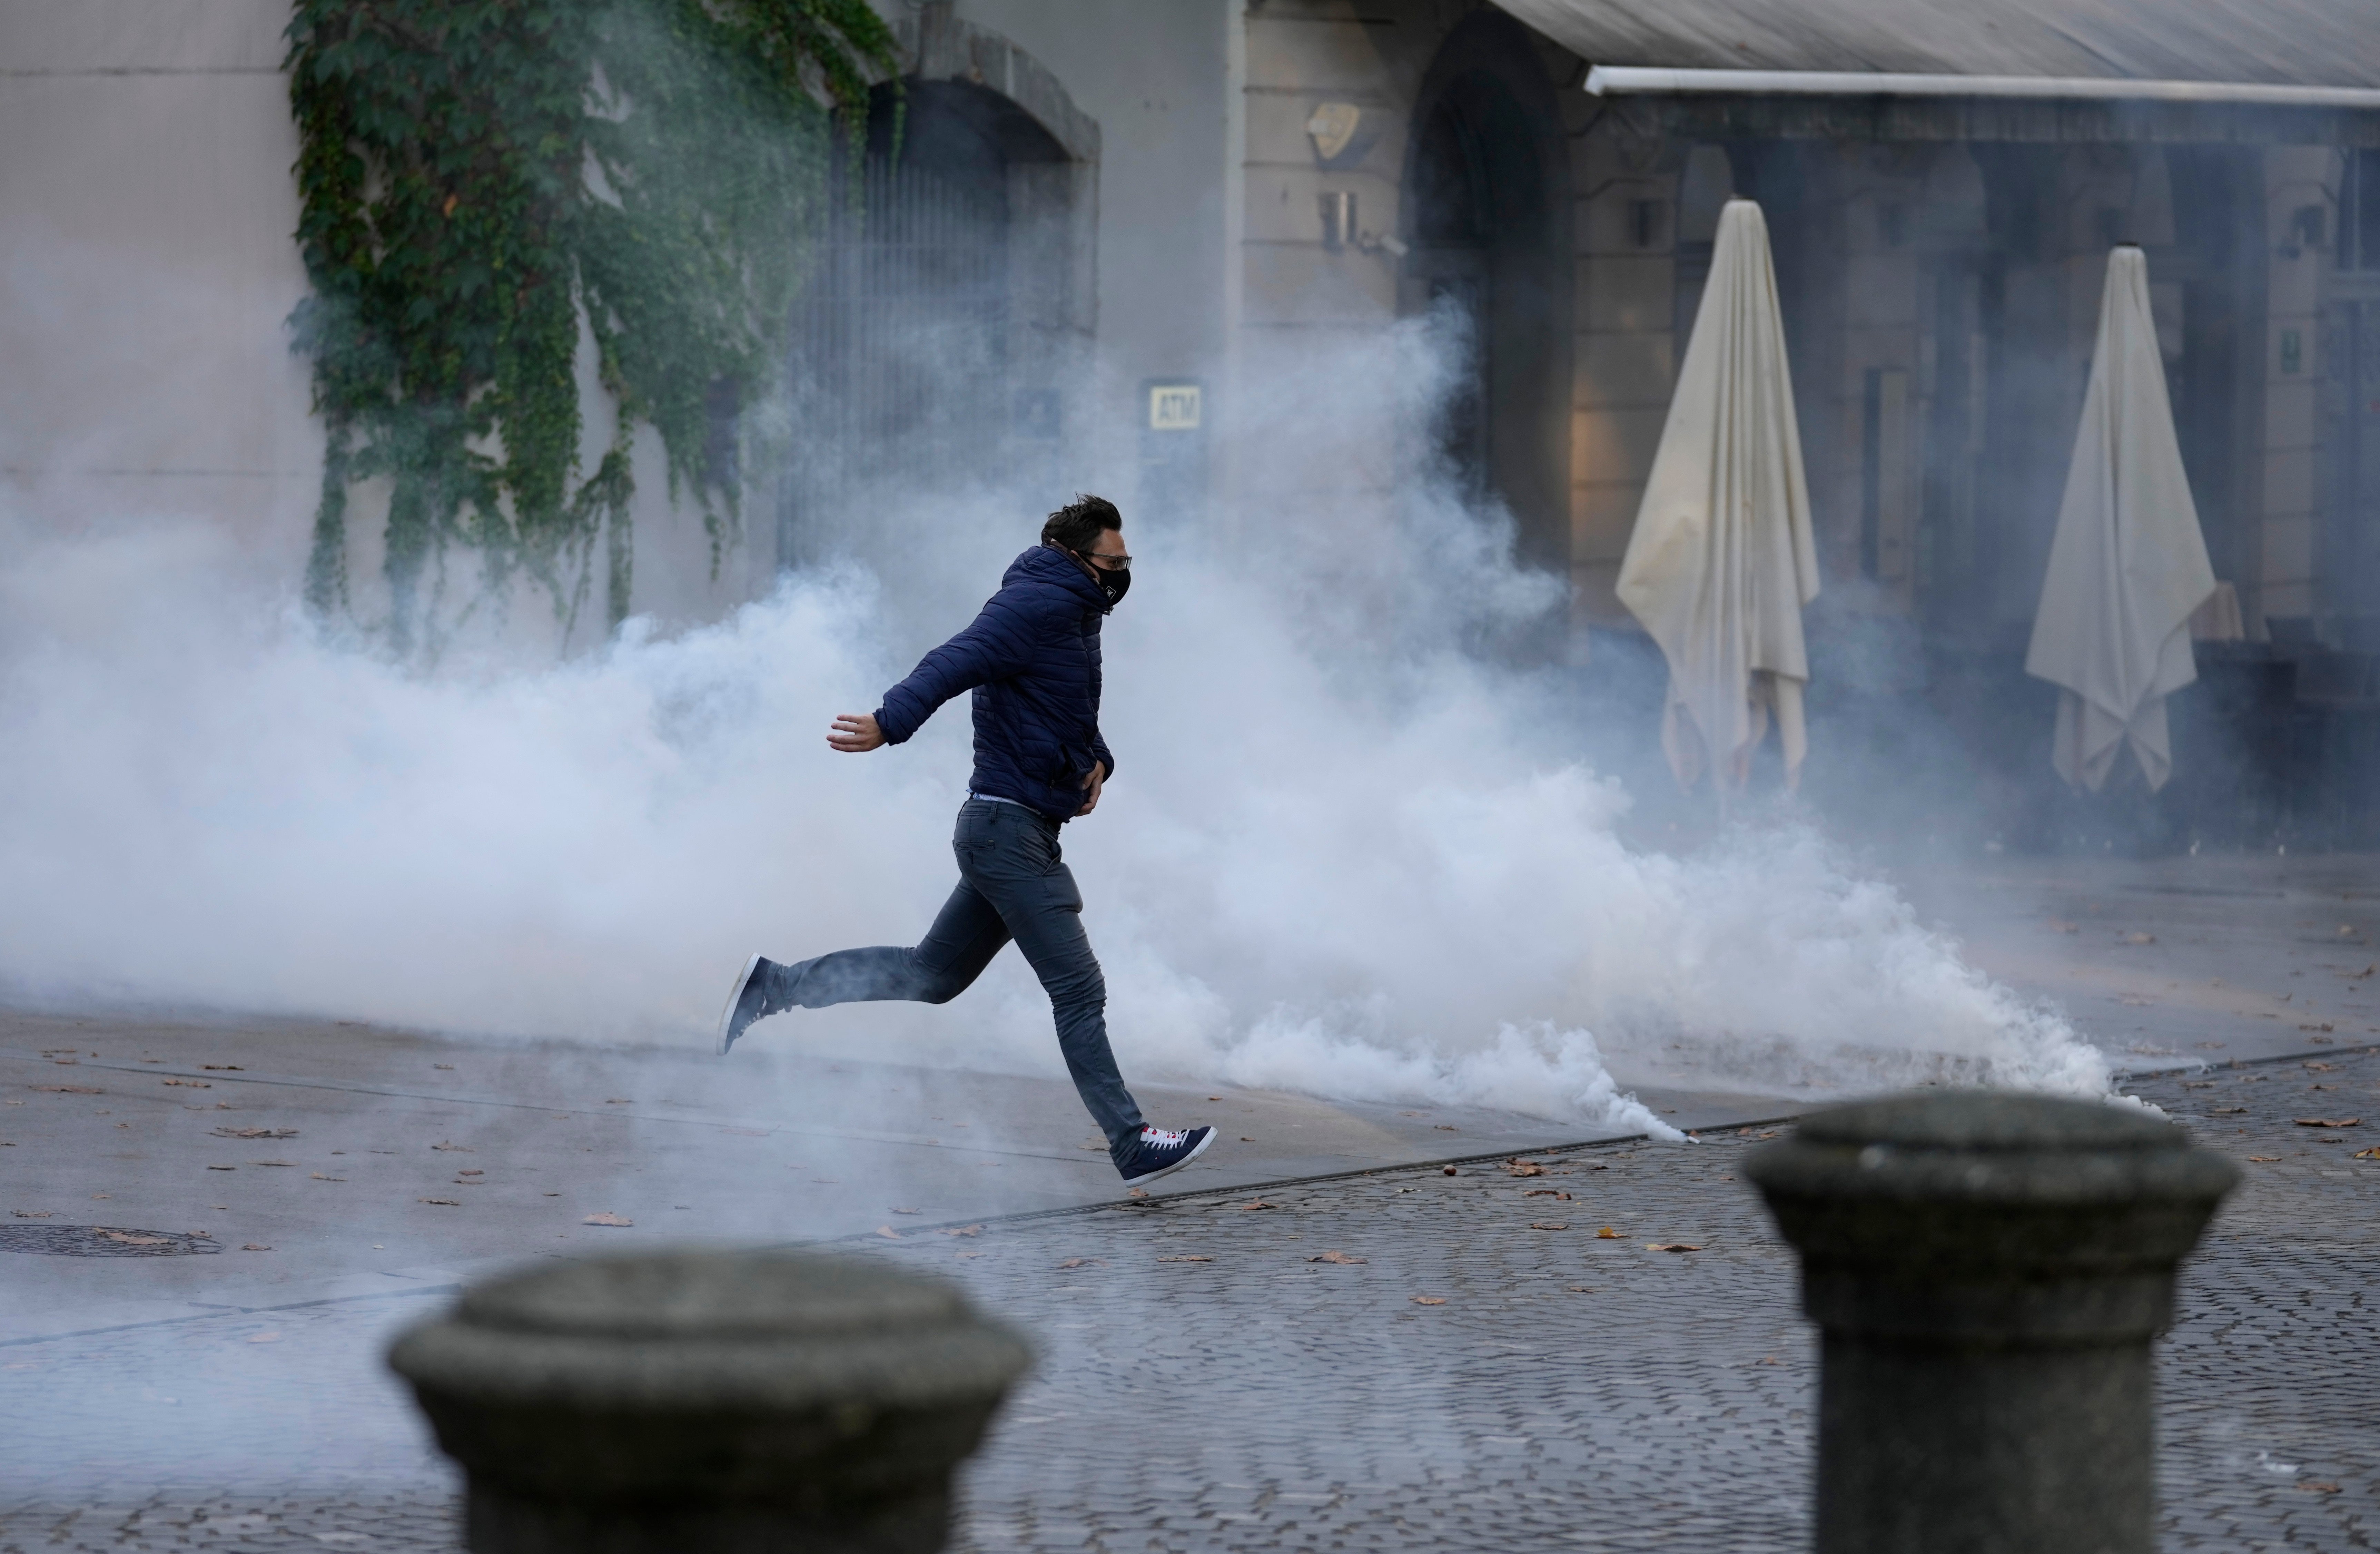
(1076,525)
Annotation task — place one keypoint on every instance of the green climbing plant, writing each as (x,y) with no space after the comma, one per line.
(485,184)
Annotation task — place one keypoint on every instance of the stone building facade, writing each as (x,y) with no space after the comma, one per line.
(1134,224)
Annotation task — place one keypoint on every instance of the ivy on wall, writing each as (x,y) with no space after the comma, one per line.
(484,181)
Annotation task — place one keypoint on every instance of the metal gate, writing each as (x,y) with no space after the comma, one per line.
(900,350)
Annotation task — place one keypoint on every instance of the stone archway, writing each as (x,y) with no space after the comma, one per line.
(1487,222)
(938,343)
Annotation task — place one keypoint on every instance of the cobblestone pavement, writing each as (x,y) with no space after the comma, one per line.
(1492,1374)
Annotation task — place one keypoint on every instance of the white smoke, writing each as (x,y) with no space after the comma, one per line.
(1337,857)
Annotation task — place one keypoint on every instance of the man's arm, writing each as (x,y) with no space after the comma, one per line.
(997,645)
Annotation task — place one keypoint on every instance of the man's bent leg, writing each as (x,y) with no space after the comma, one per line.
(1011,856)
(966,933)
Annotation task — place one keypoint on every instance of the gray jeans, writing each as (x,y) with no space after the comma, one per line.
(1013,883)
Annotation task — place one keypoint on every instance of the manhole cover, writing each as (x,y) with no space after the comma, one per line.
(102,1241)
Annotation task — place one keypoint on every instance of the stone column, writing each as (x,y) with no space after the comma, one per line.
(731,1402)
(1987,1270)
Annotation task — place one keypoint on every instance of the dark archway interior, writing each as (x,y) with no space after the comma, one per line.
(1482,233)
(902,356)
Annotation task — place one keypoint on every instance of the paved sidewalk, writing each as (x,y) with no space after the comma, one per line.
(1493,1374)
(346,1158)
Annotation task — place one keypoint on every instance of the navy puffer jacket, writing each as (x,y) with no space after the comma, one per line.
(1032,659)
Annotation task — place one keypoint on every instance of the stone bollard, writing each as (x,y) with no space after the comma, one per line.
(731,1403)
(1987,1269)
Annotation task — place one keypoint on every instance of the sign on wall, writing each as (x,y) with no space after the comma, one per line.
(1174,407)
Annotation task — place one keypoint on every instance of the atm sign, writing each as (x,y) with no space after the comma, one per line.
(1173,407)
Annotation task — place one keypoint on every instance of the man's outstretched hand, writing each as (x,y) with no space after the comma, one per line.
(855,732)
(1093,781)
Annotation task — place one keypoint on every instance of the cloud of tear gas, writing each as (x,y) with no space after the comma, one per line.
(1342,854)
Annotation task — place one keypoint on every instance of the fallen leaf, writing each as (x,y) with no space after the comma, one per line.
(192,1084)
(888,1232)
(129,1239)
(255,1246)
(1185,1259)
(2323,1026)
(1606,1234)
(1549,1225)
(320,1177)
(472,1170)
(1083,1262)
(1342,1257)
(620,1100)
(1136,1191)
(1519,1168)
(1429,1300)
(1256,1204)
(85,1089)
(272,1162)
(453,1203)
(1578,1289)
(448,1067)
(2358,976)
(2326,1121)
(1448,1127)
(963,1230)
(30,1213)
(909,1211)
(2316,1487)
(222,1168)
(2371,1154)
(1544,1192)
(455,1149)
(2224,1111)
(619,1221)
(966,1254)
(1671,1246)
(2310,1066)
(2139,939)
(102,1197)
(255,1133)
(2264,1159)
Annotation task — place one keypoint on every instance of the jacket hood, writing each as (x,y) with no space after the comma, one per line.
(1047,563)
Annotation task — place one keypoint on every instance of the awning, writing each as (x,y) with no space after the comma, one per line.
(2255,71)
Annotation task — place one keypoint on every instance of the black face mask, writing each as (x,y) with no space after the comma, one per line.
(1115,584)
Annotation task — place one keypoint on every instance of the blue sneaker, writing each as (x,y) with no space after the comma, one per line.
(1161,1151)
(747,999)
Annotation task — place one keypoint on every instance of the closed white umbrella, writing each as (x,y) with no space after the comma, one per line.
(2129,563)
(1721,561)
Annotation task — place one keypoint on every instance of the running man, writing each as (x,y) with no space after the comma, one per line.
(1032,659)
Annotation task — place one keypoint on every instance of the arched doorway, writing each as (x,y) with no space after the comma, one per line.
(931,343)
(1488,228)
